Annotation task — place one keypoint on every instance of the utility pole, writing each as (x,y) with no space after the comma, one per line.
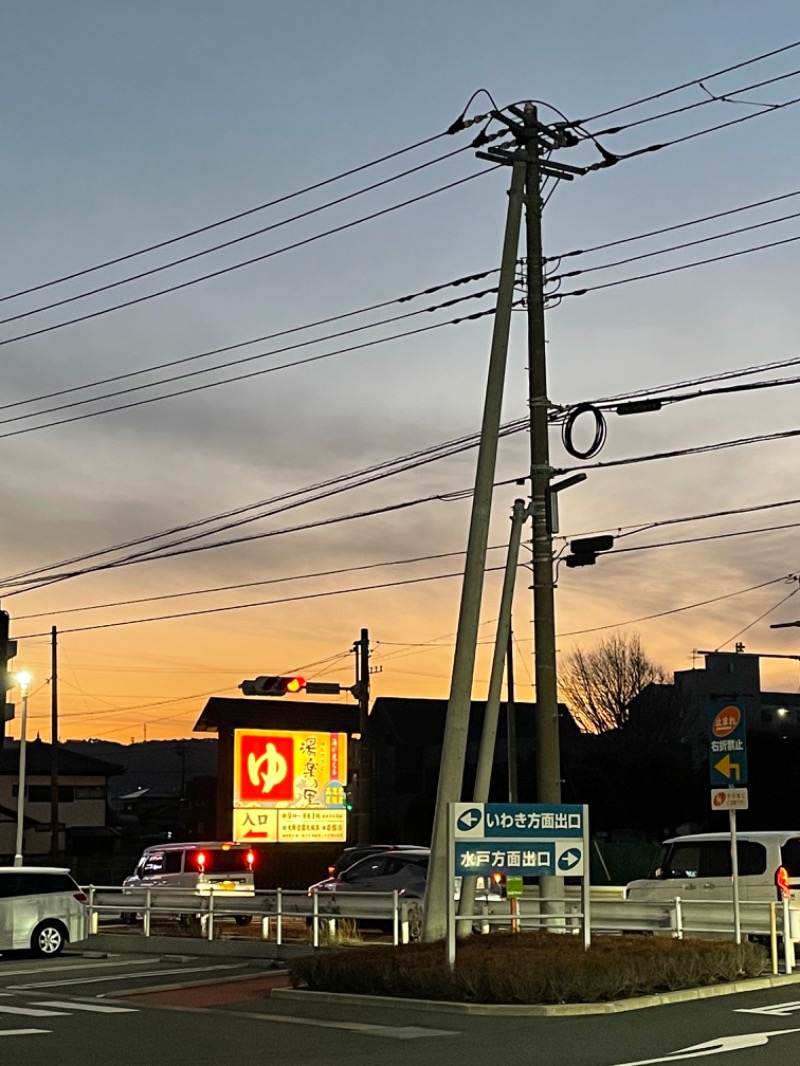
(483,773)
(511,723)
(548,755)
(454,744)
(364,790)
(54,848)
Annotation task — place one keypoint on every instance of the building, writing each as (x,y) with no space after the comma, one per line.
(406,737)
(82,802)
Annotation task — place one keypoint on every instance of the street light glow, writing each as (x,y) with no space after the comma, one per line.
(23,679)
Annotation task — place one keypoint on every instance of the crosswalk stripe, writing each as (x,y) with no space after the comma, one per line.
(96,1008)
(22,1032)
(29,1012)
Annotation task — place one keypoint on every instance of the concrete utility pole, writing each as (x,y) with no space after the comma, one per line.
(54,849)
(511,723)
(483,774)
(532,139)
(548,756)
(364,792)
(454,745)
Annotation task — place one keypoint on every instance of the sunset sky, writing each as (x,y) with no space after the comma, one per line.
(129,125)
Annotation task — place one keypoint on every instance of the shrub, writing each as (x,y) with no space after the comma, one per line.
(537,967)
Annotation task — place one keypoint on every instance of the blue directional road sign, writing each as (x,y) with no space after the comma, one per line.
(522,839)
(727,744)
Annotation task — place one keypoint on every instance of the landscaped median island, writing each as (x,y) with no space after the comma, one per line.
(530,968)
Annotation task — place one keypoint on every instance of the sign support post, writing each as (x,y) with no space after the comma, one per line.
(737,916)
(727,751)
(451,879)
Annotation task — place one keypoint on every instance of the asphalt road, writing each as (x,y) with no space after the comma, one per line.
(75,1011)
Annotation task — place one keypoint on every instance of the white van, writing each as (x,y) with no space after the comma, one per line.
(697,869)
(201,867)
(41,909)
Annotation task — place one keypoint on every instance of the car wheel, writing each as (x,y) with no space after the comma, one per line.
(244,919)
(49,938)
(129,917)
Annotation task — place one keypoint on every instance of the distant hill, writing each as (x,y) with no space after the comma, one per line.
(163,766)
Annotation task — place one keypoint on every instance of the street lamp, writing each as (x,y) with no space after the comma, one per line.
(23,680)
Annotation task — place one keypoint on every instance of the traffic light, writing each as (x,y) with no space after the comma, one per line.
(273,686)
(8,649)
(584,552)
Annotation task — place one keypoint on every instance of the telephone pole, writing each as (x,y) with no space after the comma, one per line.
(54,848)
(454,743)
(364,790)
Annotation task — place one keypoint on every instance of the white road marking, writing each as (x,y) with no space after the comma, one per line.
(780,1010)
(96,1008)
(716,1046)
(23,1032)
(405,1032)
(32,1012)
(123,976)
(70,966)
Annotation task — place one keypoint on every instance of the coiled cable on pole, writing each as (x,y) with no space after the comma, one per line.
(599,431)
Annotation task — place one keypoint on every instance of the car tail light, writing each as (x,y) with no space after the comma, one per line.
(81,897)
(200,860)
(250,859)
(782,882)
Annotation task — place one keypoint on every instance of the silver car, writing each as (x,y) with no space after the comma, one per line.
(41,909)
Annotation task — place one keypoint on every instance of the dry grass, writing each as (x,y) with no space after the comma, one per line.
(531,968)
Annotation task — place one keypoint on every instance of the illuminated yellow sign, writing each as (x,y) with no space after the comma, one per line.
(289,786)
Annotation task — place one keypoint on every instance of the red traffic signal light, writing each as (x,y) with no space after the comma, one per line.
(272,686)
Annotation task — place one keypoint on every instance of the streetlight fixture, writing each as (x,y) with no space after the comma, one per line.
(23,680)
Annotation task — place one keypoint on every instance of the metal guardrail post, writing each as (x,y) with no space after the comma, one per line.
(210,916)
(315,918)
(146,919)
(773,936)
(94,917)
(395,917)
(678,918)
(788,943)
(279,917)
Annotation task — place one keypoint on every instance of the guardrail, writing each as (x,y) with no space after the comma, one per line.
(609,914)
(320,909)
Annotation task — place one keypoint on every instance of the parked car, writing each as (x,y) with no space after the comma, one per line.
(402,868)
(698,867)
(199,866)
(41,909)
(352,855)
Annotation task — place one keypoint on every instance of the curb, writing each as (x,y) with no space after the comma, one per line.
(541,1010)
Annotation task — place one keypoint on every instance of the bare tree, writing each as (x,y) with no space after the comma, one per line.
(598,685)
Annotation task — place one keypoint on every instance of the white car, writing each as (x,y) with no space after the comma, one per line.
(41,909)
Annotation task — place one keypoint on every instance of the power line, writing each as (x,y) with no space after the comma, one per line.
(675,610)
(224,221)
(674,247)
(464,280)
(262,603)
(292,498)
(245,359)
(670,229)
(246,585)
(680,452)
(229,243)
(687,84)
(243,377)
(249,262)
(677,269)
(710,99)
